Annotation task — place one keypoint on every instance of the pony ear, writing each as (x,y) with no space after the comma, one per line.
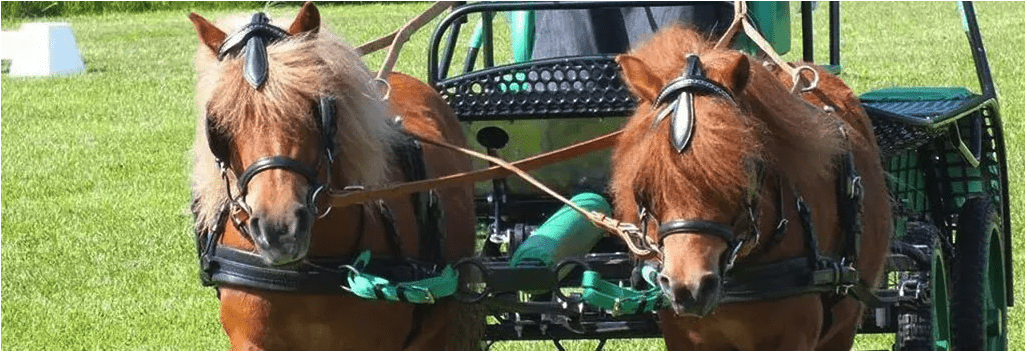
(208,34)
(307,20)
(638,76)
(739,67)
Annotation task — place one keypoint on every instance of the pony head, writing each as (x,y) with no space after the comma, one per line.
(692,164)
(272,103)
(696,163)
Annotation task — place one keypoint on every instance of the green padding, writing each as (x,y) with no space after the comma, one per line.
(772,21)
(618,300)
(903,94)
(565,234)
(424,291)
(522,34)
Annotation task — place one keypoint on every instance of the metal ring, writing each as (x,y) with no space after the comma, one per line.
(383,87)
(460,295)
(312,203)
(799,72)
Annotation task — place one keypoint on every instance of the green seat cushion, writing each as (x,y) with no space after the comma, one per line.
(904,94)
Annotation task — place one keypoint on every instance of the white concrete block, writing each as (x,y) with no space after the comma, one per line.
(46,49)
(10,43)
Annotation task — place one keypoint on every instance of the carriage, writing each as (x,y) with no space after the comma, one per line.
(541,272)
(949,265)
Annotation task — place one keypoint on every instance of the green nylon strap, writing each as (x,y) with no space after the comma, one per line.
(424,291)
(619,300)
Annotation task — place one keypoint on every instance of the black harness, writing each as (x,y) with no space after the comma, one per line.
(221,265)
(746,282)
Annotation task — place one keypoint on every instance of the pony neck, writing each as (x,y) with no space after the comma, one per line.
(801,141)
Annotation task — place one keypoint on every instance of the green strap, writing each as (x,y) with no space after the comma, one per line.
(619,300)
(424,291)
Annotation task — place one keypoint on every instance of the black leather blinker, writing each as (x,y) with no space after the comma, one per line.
(679,94)
(252,41)
(255,67)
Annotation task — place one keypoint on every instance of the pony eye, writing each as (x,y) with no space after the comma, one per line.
(217,140)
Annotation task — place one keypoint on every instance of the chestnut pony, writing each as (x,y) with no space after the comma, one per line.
(712,162)
(297,105)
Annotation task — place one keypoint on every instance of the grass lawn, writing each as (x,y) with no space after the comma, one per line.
(96,232)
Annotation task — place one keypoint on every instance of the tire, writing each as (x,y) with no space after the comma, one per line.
(979,294)
(924,325)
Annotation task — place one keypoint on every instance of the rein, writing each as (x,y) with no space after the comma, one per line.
(743,23)
(627,231)
(395,41)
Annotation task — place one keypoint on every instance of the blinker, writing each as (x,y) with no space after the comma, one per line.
(252,41)
(679,96)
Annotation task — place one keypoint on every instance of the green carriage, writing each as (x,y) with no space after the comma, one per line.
(949,279)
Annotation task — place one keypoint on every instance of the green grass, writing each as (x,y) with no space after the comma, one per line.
(96,235)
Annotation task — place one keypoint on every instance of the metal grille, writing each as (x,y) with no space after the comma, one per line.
(553,88)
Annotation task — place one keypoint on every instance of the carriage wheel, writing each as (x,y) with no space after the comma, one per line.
(979,304)
(926,325)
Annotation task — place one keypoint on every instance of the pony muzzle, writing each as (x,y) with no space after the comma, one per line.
(283,238)
(692,274)
(697,298)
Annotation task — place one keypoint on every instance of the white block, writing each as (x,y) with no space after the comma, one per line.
(10,43)
(46,49)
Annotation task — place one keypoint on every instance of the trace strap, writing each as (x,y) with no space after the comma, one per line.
(619,300)
(424,291)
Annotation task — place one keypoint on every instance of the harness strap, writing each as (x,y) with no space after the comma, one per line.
(851,197)
(397,39)
(367,277)
(809,238)
(620,300)
(273,162)
(682,226)
(742,23)
(423,291)
(389,224)
(347,198)
(426,203)
(786,278)
(627,231)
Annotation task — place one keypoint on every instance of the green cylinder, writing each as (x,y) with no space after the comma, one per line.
(565,234)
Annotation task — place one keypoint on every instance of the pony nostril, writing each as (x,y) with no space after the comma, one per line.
(255,225)
(664,282)
(303,215)
(707,287)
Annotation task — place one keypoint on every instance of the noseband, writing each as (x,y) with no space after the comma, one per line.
(250,43)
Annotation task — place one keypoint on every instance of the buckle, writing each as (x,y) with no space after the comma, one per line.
(429,296)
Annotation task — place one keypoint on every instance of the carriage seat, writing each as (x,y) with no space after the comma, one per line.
(905,118)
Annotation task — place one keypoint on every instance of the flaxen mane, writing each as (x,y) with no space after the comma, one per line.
(767,125)
(300,69)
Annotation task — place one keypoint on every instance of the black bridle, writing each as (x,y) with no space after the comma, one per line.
(679,97)
(250,44)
